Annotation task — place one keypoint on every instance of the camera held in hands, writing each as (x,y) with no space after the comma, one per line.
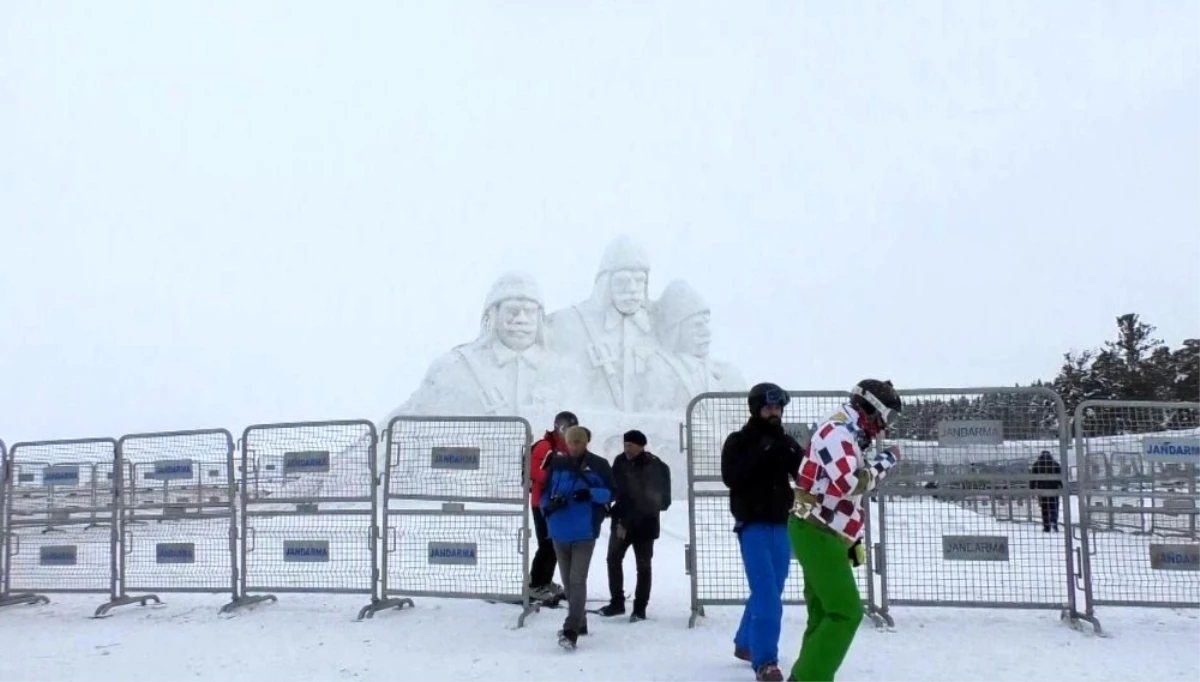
(556,502)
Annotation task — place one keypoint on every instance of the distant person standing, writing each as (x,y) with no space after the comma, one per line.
(573,500)
(1046,466)
(758,464)
(641,491)
(828,521)
(541,570)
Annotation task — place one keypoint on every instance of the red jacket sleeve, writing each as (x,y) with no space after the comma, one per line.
(537,457)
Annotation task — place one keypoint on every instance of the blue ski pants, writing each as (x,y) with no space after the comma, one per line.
(766,557)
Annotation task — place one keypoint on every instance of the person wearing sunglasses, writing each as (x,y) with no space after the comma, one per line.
(758,464)
(827,523)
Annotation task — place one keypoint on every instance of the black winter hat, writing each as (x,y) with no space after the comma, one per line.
(566,418)
(636,437)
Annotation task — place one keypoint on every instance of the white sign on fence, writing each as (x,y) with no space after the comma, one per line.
(1175,557)
(970,432)
(1185,450)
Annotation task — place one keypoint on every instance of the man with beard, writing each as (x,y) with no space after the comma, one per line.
(758,464)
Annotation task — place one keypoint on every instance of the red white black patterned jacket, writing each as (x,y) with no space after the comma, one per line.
(834,475)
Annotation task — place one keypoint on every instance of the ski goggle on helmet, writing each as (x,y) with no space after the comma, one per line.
(776,397)
(886,416)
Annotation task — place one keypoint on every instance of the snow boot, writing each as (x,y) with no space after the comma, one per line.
(612,609)
(741,654)
(567,639)
(768,672)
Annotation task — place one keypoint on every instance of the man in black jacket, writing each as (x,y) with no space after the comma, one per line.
(642,490)
(758,464)
(1046,466)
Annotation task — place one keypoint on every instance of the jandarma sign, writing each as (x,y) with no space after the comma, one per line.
(1172,450)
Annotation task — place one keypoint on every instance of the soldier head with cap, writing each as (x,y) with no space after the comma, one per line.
(682,320)
(513,311)
(626,267)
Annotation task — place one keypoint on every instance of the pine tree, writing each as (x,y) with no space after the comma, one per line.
(1184,372)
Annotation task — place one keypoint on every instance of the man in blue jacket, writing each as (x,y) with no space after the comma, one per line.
(573,500)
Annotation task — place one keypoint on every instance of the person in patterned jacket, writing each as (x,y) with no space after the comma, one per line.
(826,527)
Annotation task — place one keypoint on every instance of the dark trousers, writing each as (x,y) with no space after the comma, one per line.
(1049,507)
(643,552)
(541,569)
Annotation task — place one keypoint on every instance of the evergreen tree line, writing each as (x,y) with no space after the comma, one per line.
(1134,366)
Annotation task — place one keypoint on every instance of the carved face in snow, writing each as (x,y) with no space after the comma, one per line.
(695,335)
(517,322)
(628,290)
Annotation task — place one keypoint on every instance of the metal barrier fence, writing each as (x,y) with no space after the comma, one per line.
(456,511)
(949,531)
(311,526)
(1138,475)
(963,520)
(178,530)
(712,556)
(4,481)
(57,491)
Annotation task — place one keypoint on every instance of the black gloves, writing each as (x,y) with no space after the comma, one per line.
(582,495)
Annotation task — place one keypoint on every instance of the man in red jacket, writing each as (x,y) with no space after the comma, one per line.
(541,571)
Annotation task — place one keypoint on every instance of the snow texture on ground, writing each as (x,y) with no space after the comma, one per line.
(316,637)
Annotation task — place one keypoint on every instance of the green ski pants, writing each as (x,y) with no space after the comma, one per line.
(831,596)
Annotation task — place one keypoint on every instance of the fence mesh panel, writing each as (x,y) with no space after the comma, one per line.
(4,483)
(970,518)
(714,560)
(1139,518)
(178,502)
(308,509)
(456,521)
(60,514)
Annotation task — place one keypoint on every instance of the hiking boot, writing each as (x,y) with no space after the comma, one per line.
(547,592)
(741,654)
(567,639)
(768,672)
(612,609)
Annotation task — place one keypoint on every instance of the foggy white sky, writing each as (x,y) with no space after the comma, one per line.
(214,214)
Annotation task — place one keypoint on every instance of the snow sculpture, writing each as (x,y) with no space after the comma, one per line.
(681,367)
(608,336)
(507,370)
(616,359)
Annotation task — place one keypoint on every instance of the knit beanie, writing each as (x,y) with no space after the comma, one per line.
(636,437)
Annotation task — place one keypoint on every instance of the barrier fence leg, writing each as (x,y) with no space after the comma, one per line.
(23,598)
(380,601)
(244,600)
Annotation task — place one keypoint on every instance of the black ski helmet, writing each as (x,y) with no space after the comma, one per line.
(565,420)
(878,399)
(764,394)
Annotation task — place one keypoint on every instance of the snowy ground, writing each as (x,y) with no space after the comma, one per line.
(317,637)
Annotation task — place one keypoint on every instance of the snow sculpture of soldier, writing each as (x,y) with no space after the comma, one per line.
(608,336)
(506,371)
(682,368)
